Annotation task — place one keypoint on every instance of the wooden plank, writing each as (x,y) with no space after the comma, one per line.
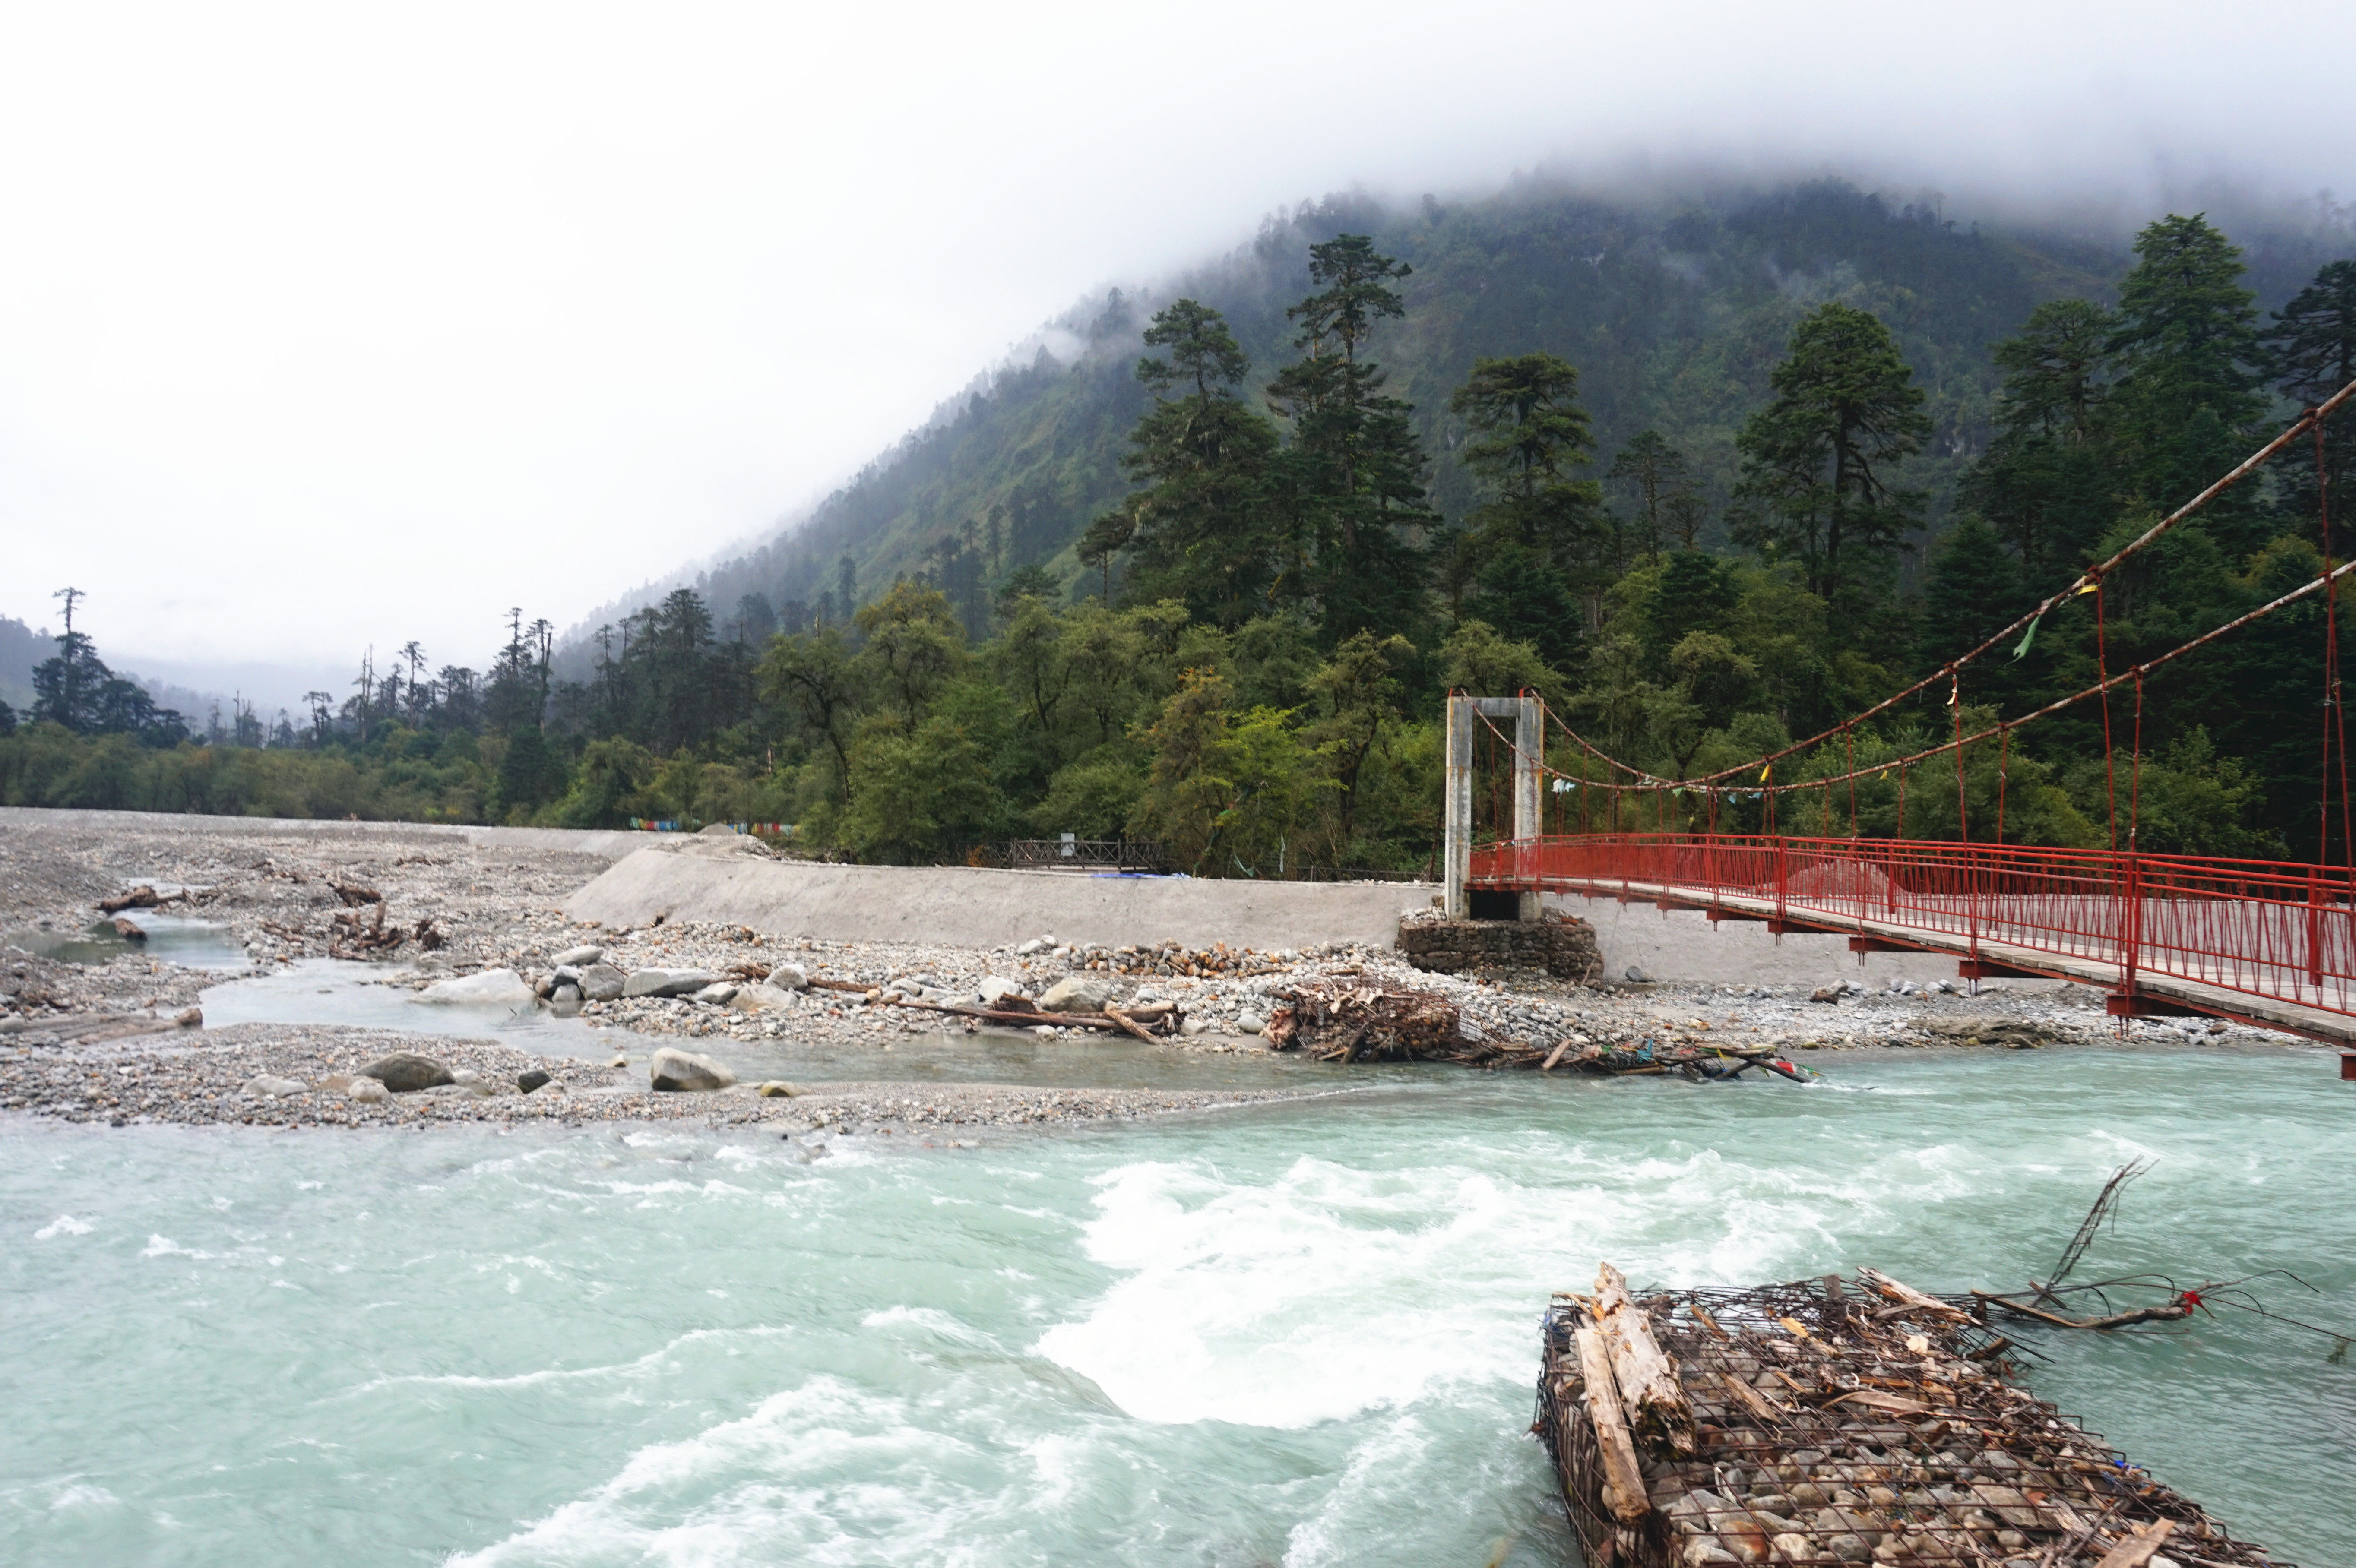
(1623,1479)
(2137,1549)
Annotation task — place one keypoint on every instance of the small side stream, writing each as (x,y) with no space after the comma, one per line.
(331,991)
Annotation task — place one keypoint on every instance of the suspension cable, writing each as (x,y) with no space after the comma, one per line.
(2309,420)
(2327,580)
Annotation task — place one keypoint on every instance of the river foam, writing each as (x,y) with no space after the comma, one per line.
(1300,1334)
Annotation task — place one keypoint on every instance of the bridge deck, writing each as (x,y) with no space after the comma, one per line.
(2264,944)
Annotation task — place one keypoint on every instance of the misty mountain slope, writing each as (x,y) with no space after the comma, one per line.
(1674,312)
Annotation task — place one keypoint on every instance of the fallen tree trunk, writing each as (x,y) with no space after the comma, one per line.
(1652,1397)
(1624,1478)
(1031,1020)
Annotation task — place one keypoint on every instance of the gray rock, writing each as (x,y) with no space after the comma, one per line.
(405,1072)
(778,1089)
(1635,976)
(719,994)
(758,999)
(579,957)
(668,981)
(1248,1022)
(368,1091)
(267,1087)
(1032,947)
(679,1071)
(464,1077)
(790,977)
(565,974)
(566,1003)
(601,983)
(535,1079)
(499,988)
(995,989)
(1077,993)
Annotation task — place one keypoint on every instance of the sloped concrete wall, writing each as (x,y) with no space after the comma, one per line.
(969,907)
(1682,945)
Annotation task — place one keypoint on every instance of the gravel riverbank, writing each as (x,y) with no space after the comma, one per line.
(98,1039)
(301,1075)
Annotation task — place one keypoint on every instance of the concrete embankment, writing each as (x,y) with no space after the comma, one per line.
(610,843)
(972,907)
(1683,944)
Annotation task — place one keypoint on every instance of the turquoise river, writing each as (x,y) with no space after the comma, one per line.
(1298,1334)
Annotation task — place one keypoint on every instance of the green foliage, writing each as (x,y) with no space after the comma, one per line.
(1228,790)
(2311,354)
(1819,461)
(1123,594)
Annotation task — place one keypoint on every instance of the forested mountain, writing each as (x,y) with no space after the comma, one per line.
(1673,311)
(1710,475)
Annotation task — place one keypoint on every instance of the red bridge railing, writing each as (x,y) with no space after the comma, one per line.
(2261,928)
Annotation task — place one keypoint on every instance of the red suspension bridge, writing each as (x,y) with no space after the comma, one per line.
(2261,942)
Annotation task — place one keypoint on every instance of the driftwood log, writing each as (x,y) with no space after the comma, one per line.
(1623,1476)
(1909,1299)
(141,897)
(1651,1397)
(1139,1022)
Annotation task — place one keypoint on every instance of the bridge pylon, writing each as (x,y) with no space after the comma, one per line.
(1529,758)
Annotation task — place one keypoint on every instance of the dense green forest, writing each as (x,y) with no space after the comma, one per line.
(1708,479)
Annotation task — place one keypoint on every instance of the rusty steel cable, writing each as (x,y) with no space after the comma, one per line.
(2309,420)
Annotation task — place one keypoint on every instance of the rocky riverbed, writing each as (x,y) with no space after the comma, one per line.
(489,918)
(305,1075)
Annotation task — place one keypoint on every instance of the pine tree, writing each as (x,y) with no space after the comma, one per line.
(1201,530)
(1657,471)
(2051,482)
(1539,537)
(2311,354)
(1817,459)
(2188,395)
(1353,480)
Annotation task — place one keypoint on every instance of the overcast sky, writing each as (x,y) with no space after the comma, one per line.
(324,325)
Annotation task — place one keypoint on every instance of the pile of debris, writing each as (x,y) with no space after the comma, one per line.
(1174,958)
(1830,1422)
(1340,1017)
(350,935)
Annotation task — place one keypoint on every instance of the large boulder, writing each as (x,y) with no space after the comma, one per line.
(719,994)
(1077,993)
(790,977)
(368,1091)
(405,1072)
(761,997)
(679,1071)
(578,957)
(602,982)
(491,987)
(668,981)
